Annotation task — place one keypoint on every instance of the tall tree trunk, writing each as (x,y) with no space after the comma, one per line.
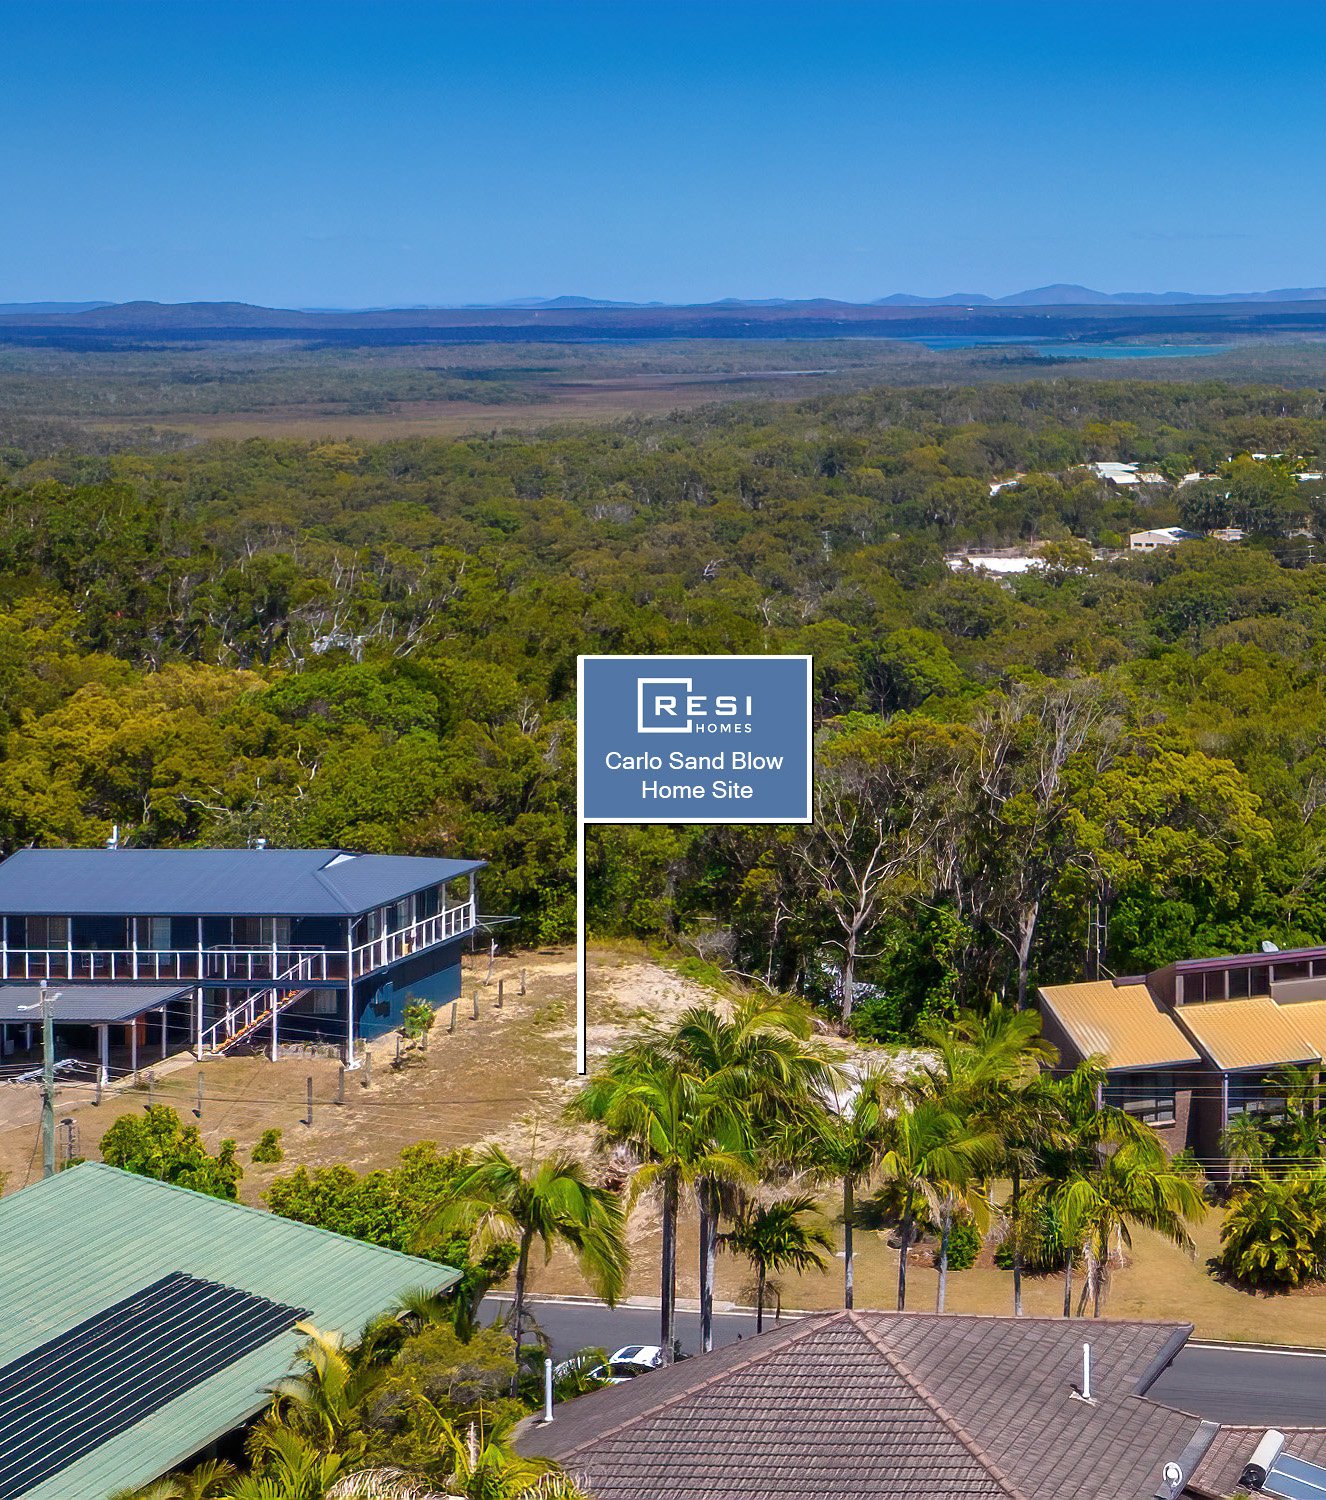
(945,1225)
(668,1289)
(1026,936)
(902,1252)
(847,978)
(707,1199)
(1068,1286)
(849,1211)
(1102,1266)
(759,1297)
(1015,1218)
(518,1304)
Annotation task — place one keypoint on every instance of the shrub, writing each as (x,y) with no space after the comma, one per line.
(1042,1248)
(1274,1235)
(268,1147)
(158,1144)
(964,1245)
(391,1207)
(418,1020)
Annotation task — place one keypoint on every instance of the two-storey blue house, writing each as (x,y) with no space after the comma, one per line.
(210,948)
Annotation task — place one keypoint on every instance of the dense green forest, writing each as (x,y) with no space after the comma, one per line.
(1112,760)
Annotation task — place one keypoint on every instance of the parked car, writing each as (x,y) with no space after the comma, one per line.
(628,1362)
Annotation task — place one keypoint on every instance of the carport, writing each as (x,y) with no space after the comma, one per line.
(94,1007)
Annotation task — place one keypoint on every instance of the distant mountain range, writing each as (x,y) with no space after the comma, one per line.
(1058,313)
(1065,294)
(1060,294)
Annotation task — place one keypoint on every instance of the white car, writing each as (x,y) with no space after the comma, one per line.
(629,1361)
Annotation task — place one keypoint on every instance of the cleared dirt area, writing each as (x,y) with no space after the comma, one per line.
(506,1077)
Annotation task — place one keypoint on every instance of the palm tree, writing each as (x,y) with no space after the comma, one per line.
(1245,1143)
(988,1067)
(759,1058)
(555,1203)
(678,1130)
(321,1402)
(844,1141)
(287,1466)
(475,1461)
(778,1236)
(206,1481)
(1135,1184)
(1274,1235)
(1081,1129)
(932,1152)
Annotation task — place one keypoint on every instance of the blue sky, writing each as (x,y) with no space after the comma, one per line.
(374,153)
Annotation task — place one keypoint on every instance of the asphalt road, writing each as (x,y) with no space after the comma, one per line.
(1278,1387)
(581,1325)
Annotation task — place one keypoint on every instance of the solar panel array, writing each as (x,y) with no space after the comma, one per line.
(1292,1478)
(60,1401)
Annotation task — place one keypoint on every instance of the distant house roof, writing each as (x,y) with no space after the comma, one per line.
(213,882)
(1166,534)
(87,1004)
(165,1313)
(874,1404)
(1122,1022)
(1251,1033)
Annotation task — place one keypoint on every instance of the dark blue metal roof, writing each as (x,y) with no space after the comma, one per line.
(214,882)
(87,1004)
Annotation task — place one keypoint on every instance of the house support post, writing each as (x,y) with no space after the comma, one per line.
(103,1053)
(349,993)
(275,1013)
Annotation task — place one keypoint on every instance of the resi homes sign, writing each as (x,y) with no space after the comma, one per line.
(695,739)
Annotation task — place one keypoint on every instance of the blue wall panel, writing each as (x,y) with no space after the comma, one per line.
(433,976)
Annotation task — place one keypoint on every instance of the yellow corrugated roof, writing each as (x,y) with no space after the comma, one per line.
(1309,1020)
(1120,1021)
(1251,1033)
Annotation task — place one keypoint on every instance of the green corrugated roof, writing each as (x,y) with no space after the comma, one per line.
(86,1238)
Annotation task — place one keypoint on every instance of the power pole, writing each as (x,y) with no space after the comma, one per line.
(47,1007)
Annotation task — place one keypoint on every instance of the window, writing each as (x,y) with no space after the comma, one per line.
(262,932)
(152,934)
(1148,1097)
(1253,1094)
(48,932)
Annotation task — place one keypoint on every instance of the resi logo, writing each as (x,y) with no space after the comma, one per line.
(669,705)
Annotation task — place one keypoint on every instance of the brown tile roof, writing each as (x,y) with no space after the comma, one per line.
(1120,1021)
(869,1404)
(1250,1033)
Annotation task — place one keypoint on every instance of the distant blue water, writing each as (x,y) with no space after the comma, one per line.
(1067,349)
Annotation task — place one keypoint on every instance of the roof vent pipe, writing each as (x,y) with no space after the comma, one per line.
(114,841)
(1262,1461)
(1084,1394)
(547,1390)
(260,843)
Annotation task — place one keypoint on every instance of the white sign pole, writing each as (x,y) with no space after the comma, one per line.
(581,948)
